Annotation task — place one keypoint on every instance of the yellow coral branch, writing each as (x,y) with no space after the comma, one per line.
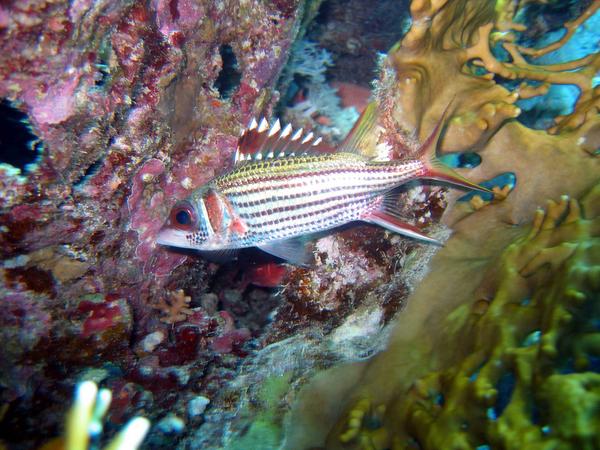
(519,68)
(571,27)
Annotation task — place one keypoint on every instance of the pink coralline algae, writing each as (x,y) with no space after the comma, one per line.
(101,316)
(133,107)
(179,16)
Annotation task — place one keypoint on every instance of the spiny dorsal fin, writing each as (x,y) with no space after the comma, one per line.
(263,141)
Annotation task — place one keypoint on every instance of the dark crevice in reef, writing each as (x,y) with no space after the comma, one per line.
(230,76)
(89,172)
(103,75)
(19,146)
(354,34)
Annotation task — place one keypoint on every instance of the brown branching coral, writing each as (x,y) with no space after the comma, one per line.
(175,307)
(570,27)
(442,56)
(446,57)
(522,346)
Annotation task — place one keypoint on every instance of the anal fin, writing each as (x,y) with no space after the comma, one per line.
(394,223)
(294,250)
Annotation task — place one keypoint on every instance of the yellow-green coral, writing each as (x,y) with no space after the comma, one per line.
(523,342)
(523,380)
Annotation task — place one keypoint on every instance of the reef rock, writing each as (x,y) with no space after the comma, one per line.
(114,111)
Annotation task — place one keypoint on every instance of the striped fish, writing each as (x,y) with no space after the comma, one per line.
(284,188)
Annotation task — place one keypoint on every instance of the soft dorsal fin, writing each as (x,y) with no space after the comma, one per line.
(357,138)
(263,141)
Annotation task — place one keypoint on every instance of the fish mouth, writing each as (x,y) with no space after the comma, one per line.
(172,238)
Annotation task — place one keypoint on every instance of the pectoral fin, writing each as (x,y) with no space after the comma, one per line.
(294,250)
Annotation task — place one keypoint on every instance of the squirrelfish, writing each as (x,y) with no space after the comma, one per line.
(282,190)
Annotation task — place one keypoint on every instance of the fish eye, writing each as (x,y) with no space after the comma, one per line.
(182,216)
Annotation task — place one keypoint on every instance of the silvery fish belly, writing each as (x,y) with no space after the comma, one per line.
(284,188)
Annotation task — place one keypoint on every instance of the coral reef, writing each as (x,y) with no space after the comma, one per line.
(140,103)
(356,35)
(313,98)
(117,110)
(526,370)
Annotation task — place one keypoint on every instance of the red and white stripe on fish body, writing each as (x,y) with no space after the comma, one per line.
(287,186)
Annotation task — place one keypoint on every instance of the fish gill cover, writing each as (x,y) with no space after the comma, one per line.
(384,342)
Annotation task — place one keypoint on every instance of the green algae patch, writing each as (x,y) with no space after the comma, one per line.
(265,431)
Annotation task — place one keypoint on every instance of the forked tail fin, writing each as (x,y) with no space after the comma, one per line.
(436,170)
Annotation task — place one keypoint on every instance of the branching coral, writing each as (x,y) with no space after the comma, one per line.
(522,355)
(310,62)
(523,363)
(462,38)
(175,307)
